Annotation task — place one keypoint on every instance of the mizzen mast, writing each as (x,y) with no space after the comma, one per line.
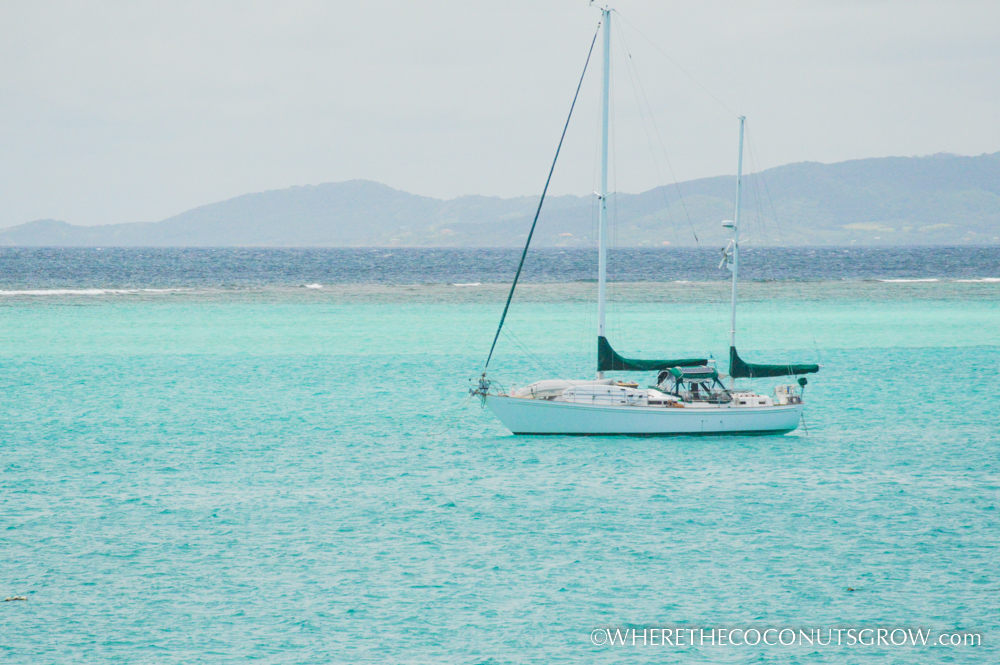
(734,260)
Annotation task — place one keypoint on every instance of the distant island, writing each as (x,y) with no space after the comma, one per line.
(937,200)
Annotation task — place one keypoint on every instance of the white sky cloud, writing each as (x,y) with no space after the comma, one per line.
(114,112)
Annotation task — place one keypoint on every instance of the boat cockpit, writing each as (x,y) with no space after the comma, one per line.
(693,384)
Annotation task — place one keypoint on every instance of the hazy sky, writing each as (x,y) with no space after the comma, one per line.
(135,111)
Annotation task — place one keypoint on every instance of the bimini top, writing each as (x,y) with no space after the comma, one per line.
(699,373)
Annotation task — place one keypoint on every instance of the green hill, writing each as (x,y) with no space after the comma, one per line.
(941,199)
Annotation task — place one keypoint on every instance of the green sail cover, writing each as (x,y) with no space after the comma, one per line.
(608,361)
(741,370)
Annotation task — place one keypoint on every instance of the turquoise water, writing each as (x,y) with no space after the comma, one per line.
(296,476)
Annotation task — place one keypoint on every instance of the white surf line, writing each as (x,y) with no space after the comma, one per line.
(85,292)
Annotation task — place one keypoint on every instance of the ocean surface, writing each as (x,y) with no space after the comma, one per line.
(27,268)
(271,455)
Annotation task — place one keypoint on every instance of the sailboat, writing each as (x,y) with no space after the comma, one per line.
(689,395)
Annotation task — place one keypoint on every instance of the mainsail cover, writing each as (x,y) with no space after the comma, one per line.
(608,361)
(739,369)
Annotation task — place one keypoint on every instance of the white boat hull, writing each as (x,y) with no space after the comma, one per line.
(533,416)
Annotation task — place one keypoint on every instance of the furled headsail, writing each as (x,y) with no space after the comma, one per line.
(608,360)
(738,369)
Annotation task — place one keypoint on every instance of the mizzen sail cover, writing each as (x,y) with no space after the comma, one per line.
(743,370)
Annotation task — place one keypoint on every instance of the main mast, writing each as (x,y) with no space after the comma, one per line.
(734,264)
(602,251)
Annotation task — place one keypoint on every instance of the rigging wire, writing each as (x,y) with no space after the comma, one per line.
(637,82)
(774,217)
(446,426)
(613,328)
(633,79)
(646,111)
(586,346)
(770,283)
(758,229)
(759,173)
(548,180)
(675,64)
(616,291)
(516,341)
